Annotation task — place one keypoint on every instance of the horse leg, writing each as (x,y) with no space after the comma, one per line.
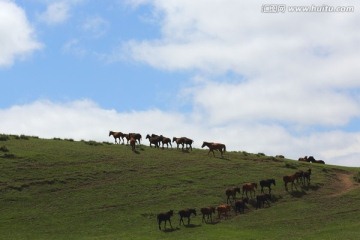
(170,224)
(188,220)
(159,224)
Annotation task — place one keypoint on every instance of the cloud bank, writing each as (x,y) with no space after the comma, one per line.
(85,120)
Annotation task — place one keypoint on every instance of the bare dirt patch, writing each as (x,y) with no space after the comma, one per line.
(343,184)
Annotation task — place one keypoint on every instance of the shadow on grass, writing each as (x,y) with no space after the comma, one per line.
(297,193)
(192,225)
(169,230)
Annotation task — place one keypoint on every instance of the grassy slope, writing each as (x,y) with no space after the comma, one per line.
(56,189)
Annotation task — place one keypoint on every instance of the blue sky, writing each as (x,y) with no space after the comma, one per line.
(224,71)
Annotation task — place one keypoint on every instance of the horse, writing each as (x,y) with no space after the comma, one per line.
(153,140)
(117,135)
(208,212)
(267,183)
(182,141)
(137,137)
(214,146)
(186,213)
(166,141)
(165,217)
(223,209)
(240,205)
(291,179)
(304,159)
(306,176)
(231,192)
(249,187)
(261,199)
(312,159)
(132,144)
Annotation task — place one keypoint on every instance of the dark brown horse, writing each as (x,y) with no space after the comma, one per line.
(208,212)
(261,199)
(153,140)
(306,176)
(267,183)
(166,141)
(312,159)
(215,146)
(240,205)
(304,159)
(164,217)
(137,137)
(118,135)
(186,213)
(249,187)
(231,192)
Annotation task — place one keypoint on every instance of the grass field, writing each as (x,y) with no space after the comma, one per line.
(64,189)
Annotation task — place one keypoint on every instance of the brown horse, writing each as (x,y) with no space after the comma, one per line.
(208,212)
(223,209)
(249,187)
(290,179)
(132,144)
(231,192)
(183,141)
(117,135)
(214,146)
(164,217)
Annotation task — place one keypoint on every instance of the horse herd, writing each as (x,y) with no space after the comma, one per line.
(310,159)
(156,140)
(238,205)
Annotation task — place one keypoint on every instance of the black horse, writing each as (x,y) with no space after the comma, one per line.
(164,217)
(186,213)
(267,183)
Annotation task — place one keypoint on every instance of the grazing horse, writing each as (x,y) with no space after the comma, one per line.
(132,144)
(261,199)
(153,140)
(223,209)
(306,176)
(164,217)
(312,159)
(231,192)
(186,213)
(208,212)
(240,205)
(304,159)
(249,187)
(267,183)
(214,146)
(117,135)
(183,141)
(137,137)
(291,179)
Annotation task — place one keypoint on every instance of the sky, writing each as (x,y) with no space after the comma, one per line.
(254,75)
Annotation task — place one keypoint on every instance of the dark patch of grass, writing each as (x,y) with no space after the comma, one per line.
(4,149)
(4,137)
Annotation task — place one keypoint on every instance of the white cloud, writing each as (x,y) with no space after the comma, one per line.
(17,37)
(290,67)
(56,13)
(84,119)
(96,26)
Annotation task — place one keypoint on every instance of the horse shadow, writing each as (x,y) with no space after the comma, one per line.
(169,230)
(312,187)
(136,151)
(297,193)
(192,225)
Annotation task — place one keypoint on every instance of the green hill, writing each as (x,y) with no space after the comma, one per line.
(65,189)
